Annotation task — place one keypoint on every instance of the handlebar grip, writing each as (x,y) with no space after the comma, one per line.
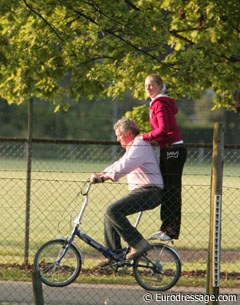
(98,180)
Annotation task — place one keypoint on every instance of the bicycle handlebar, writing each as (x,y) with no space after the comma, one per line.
(88,186)
(98,180)
(89,183)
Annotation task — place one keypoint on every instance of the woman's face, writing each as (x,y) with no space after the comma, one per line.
(152,88)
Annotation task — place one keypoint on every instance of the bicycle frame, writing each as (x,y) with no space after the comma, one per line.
(116,255)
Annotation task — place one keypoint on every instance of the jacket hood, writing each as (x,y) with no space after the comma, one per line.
(168,101)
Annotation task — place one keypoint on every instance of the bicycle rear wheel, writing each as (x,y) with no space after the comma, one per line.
(159,269)
(59,264)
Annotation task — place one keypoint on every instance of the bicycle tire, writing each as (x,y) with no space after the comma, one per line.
(53,273)
(159,269)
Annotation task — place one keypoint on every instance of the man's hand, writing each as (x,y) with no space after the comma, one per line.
(96,178)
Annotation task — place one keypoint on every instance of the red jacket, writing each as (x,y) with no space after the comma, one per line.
(163,122)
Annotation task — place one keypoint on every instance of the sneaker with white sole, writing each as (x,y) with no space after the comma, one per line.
(160,235)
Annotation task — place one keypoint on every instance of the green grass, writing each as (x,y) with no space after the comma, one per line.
(53,208)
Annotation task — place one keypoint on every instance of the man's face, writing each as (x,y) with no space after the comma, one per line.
(151,87)
(124,138)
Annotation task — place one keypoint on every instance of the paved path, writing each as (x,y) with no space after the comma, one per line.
(74,294)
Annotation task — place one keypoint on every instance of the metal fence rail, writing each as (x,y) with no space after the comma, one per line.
(59,170)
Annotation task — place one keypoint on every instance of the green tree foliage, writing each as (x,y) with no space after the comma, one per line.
(140,114)
(59,50)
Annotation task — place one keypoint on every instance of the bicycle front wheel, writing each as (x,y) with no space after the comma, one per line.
(59,263)
(159,269)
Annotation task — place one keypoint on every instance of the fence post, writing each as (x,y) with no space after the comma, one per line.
(213,270)
(28,181)
(37,288)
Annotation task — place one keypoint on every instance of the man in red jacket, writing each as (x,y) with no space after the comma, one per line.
(165,132)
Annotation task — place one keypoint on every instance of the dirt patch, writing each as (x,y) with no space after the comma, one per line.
(189,255)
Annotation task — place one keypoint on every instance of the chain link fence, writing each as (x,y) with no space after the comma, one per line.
(59,170)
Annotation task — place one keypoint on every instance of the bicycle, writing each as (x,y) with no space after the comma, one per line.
(59,261)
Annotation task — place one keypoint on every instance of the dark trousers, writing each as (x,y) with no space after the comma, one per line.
(172,160)
(116,223)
